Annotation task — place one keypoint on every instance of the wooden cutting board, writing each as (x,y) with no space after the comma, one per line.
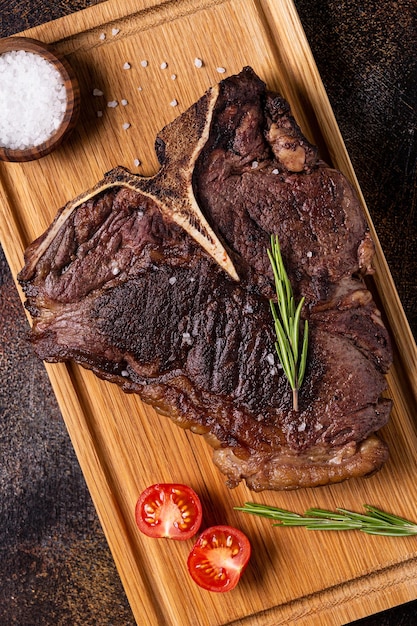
(294,576)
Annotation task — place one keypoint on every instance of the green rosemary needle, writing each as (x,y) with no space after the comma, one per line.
(374,522)
(287,324)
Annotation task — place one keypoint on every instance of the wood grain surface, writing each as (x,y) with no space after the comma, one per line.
(292,578)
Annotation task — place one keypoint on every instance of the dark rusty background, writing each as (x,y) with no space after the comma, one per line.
(55,565)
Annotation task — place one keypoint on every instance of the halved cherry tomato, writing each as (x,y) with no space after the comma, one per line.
(219,558)
(169,510)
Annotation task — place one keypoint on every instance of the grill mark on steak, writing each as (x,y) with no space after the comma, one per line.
(122,284)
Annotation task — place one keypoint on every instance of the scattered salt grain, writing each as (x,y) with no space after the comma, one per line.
(115,31)
(115,271)
(187,339)
(112,104)
(33,99)
(221,70)
(275,172)
(144,63)
(126,125)
(99,113)
(173,77)
(97,92)
(270,358)
(124,373)
(126,66)
(163,65)
(140,88)
(102,36)
(254,165)
(136,162)
(123,102)
(309,254)
(198,62)
(301,428)
(173,103)
(172,280)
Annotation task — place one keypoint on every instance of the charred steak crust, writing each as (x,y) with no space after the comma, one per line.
(121,285)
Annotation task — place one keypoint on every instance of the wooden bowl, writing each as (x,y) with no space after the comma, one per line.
(73,98)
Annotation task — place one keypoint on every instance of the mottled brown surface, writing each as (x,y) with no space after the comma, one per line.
(55,566)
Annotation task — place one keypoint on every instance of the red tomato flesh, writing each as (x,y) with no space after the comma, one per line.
(169,510)
(219,558)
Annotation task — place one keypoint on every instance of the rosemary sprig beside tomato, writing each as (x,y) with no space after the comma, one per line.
(373,522)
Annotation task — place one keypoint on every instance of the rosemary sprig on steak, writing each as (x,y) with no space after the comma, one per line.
(374,522)
(287,324)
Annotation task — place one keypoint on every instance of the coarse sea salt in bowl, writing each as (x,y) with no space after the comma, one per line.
(39,99)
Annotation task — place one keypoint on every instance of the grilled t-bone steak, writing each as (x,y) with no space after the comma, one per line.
(162,284)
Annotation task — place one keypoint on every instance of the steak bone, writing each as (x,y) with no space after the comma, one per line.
(171,188)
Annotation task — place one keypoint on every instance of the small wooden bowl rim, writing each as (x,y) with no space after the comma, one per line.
(46,51)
